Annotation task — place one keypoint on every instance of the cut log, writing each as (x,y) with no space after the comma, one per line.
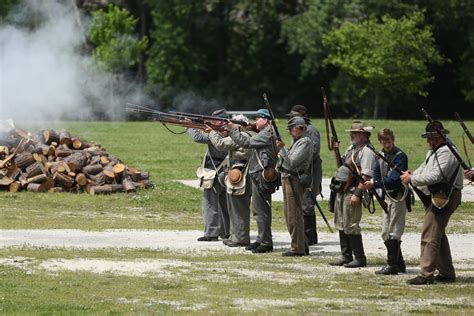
(65,138)
(50,136)
(128,185)
(92,169)
(117,187)
(35,169)
(24,160)
(101,189)
(63,180)
(23,180)
(76,161)
(37,179)
(77,143)
(63,152)
(40,158)
(118,168)
(81,179)
(94,160)
(60,167)
(43,149)
(109,172)
(101,179)
(104,160)
(94,151)
(6,181)
(140,175)
(15,186)
(35,187)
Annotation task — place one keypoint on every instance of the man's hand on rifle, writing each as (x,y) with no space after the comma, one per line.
(368,185)
(469,174)
(207,128)
(280,144)
(406,177)
(355,200)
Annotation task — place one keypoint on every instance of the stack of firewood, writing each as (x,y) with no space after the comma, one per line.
(55,161)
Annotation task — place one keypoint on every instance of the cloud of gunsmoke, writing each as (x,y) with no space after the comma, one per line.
(45,74)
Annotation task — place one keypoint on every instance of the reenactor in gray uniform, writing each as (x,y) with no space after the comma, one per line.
(263,175)
(348,205)
(214,203)
(397,195)
(295,161)
(314,189)
(440,176)
(238,200)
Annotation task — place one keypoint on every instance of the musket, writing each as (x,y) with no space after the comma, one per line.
(333,145)
(331,134)
(272,117)
(447,141)
(206,118)
(425,199)
(464,127)
(173,119)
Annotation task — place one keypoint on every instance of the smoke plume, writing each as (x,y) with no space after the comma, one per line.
(44,72)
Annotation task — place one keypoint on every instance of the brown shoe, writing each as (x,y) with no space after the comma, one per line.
(419,280)
(207,238)
(290,253)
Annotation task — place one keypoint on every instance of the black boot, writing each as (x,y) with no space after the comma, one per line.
(401,263)
(310,229)
(393,250)
(358,248)
(346,250)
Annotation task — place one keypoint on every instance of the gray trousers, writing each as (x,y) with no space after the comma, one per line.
(262,214)
(214,211)
(347,217)
(239,215)
(393,222)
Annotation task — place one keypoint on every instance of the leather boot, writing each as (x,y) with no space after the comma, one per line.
(358,248)
(310,229)
(346,250)
(401,262)
(393,250)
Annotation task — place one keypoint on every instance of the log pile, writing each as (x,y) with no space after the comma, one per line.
(56,161)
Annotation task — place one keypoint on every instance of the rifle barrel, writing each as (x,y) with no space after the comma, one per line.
(464,127)
(267,104)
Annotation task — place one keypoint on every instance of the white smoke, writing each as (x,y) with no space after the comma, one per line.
(44,75)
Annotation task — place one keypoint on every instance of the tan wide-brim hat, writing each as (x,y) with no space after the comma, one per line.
(360,126)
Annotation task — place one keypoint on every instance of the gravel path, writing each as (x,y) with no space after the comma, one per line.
(185,242)
(467,192)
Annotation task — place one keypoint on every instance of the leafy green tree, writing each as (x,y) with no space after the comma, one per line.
(388,58)
(117,47)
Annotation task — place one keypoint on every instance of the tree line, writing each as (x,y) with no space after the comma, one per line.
(376,58)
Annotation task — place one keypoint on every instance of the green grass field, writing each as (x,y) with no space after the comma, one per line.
(206,283)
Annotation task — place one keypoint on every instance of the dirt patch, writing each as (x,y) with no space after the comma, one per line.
(158,267)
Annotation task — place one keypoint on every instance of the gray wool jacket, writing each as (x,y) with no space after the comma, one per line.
(439,166)
(262,143)
(235,152)
(203,138)
(298,158)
